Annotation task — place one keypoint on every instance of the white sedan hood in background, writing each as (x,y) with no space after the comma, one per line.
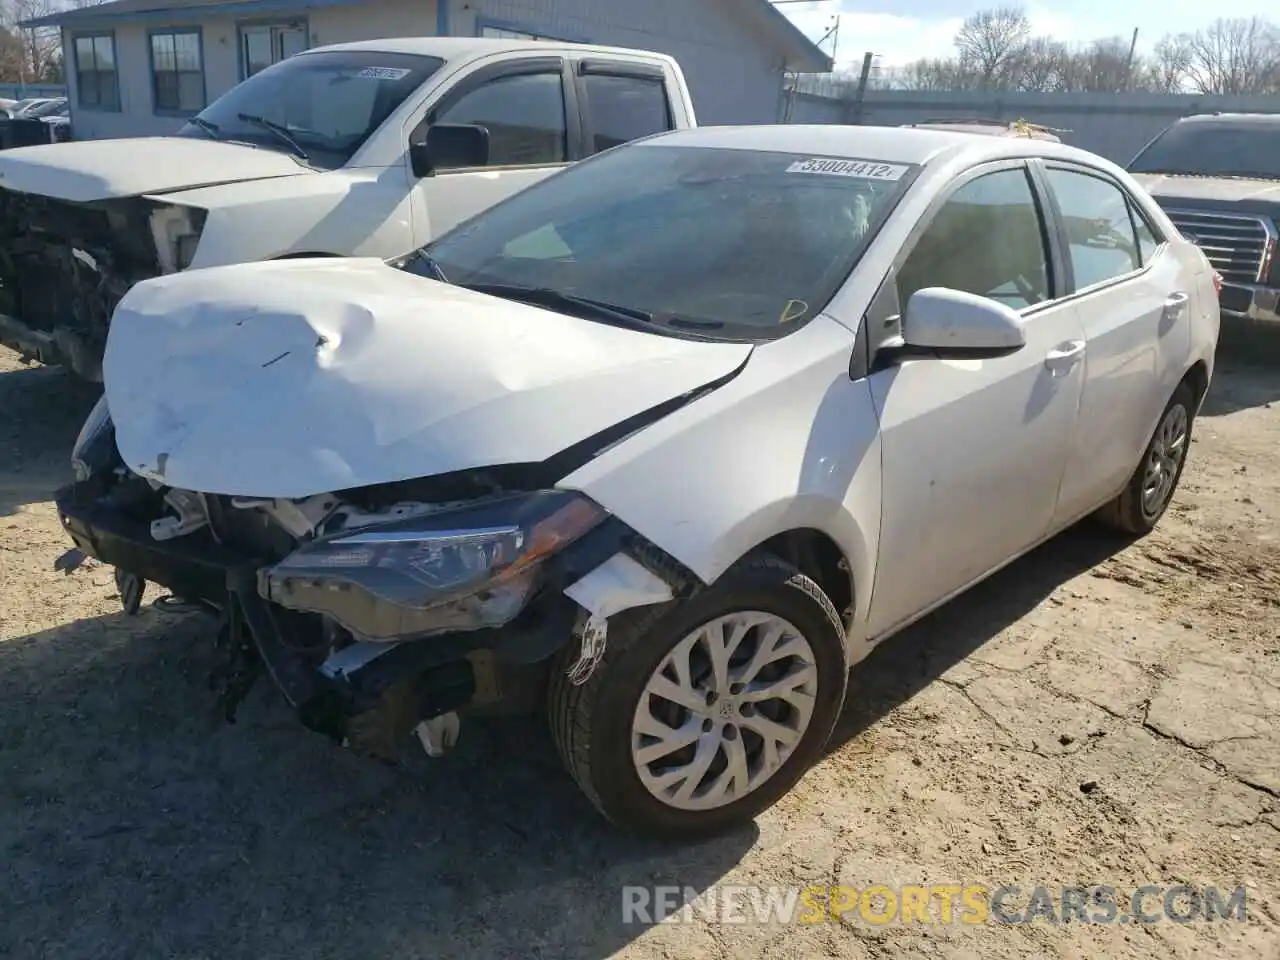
(290,379)
(87,170)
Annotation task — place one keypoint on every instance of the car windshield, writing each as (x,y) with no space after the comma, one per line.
(732,244)
(50,109)
(1218,148)
(320,107)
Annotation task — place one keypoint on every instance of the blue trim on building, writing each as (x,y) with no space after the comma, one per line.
(442,18)
(115,72)
(529,28)
(151,66)
(91,18)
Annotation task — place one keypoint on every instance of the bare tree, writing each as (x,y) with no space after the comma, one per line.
(1040,65)
(1238,56)
(40,48)
(1166,70)
(937,73)
(1100,67)
(991,42)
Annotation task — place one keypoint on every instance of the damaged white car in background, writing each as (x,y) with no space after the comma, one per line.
(663,445)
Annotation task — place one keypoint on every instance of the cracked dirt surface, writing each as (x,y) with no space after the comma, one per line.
(1087,716)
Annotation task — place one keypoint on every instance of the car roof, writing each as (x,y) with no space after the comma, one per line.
(464,48)
(1259,118)
(914,145)
(991,128)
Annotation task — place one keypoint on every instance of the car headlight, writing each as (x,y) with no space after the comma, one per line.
(465,568)
(176,231)
(95,444)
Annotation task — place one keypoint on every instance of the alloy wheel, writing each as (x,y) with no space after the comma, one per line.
(1164,460)
(724,710)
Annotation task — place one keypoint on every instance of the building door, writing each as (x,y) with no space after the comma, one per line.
(261,45)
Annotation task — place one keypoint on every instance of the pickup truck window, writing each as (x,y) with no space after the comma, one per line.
(524,114)
(323,105)
(625,108)
(1214,148)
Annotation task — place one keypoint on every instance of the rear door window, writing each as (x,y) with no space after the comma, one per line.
(623,107)
(1100,235)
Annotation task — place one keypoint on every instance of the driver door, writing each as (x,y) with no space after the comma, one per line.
(523,106)
(973,451)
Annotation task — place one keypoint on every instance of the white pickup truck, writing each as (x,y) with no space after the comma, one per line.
(358,149)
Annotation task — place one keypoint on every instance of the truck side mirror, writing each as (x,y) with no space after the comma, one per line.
(449,146)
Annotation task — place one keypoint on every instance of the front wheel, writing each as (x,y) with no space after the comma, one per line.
(703,713)
(1144,500)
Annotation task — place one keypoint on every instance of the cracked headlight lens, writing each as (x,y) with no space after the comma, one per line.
(95,444)
(459,569)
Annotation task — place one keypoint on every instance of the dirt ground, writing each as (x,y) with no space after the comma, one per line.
(1086,717)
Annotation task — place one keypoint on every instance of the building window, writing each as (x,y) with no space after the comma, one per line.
(261,45)
(177,71)
(97,84)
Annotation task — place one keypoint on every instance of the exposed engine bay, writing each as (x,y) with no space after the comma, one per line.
(378,612)
(64,266)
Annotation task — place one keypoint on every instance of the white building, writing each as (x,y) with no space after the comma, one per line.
(137,67)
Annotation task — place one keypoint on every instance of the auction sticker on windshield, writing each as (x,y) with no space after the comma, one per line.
(382,73)
(866,169)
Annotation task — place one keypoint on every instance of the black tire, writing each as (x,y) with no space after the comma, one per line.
(1127,512)
(591,723)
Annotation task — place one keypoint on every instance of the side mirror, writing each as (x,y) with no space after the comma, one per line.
(953,324)
(449,146)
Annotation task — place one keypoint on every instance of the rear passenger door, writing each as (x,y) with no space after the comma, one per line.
(1125,284)
(620,101)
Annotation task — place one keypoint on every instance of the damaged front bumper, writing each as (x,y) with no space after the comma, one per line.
(64,266)
(373,694)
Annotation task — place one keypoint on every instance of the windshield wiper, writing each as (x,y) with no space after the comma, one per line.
(279,129)
(589,308)
(212,129)
(428,264)
(546,297)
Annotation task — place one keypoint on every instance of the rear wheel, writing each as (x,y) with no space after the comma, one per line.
(1144,500)
(703,713)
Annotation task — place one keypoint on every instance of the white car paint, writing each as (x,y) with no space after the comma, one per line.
(928,474)
(88,170)
(395,377)
(263,204)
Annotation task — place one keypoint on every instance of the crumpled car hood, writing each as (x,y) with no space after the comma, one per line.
(294,378)
(83,171)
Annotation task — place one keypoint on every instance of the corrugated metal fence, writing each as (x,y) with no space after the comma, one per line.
(1114,125)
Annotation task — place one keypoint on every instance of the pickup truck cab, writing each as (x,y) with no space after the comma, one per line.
(359,149)
(1217,176)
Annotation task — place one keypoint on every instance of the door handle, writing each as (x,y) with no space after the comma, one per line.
(1176,303)
(1061,359)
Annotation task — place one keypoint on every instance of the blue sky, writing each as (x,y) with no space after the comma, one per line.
(905,30)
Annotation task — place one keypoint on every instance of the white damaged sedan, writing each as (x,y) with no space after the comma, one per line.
(663,445)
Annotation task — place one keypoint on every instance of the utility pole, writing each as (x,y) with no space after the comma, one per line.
(864,78)
(1128,66)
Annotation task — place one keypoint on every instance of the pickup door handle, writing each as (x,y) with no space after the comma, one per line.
(1063,357)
